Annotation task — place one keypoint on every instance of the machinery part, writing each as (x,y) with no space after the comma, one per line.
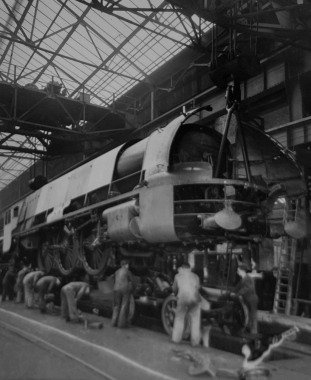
(295,229)
(94,254)
(168,316)
(118,219)
(234,316)
(66,253)
(228,219)
(37,182)
(46,257)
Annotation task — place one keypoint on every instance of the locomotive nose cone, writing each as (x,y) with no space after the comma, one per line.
(228,220)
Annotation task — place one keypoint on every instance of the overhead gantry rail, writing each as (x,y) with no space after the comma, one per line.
(51,117)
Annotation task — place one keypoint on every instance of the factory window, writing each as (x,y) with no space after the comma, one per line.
(15,212)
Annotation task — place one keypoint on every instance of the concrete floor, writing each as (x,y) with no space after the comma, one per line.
(25,359)
(113,353)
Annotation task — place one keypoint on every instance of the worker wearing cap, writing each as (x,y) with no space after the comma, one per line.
(186,285)
(246,289)
(45,286)
(70,295)
(29,283)
(121,295)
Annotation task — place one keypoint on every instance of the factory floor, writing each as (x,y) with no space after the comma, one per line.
(134,353)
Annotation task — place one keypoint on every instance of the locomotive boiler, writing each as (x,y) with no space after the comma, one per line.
(183,187)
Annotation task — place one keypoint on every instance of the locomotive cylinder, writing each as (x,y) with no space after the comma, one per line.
(131,159)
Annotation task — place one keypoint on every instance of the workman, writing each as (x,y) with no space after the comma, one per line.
(246,289)
(45,286)
(186,286)
(29,283)
(19,283)
(8,284)
(70,295)
(123,285)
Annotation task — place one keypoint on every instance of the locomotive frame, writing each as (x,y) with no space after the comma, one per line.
(153,195)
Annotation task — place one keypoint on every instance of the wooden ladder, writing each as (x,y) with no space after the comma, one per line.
(286,268)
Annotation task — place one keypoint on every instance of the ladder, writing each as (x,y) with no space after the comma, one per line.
(286,268)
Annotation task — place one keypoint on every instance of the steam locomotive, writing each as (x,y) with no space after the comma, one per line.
(173,191)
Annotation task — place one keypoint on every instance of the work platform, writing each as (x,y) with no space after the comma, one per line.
(28,111)
(134,353)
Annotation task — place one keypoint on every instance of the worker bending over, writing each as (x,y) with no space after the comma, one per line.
(186,285)
(45,286)
(246,289)
(29,283)
(70,295)
(121,295)
(19,282)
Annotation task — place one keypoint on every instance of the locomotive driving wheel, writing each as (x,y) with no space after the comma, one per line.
(95,255)
(66,253)
(168,316)
(46,256)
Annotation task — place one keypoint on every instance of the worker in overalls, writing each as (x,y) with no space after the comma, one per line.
(186,286)
(29,283)
(70,295)
(123,284)
(45,286)
(246,289)
(19,283)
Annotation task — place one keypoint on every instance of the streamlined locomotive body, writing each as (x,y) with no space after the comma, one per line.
(154,195)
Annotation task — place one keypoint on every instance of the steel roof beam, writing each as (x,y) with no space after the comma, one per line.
(18,26)
(55,33)
(148,29)
(307,6)
(115,52)
(50,26)
(73,29)
(11,157)
(23,150)
(83,22)
(222,20)
(69,59)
